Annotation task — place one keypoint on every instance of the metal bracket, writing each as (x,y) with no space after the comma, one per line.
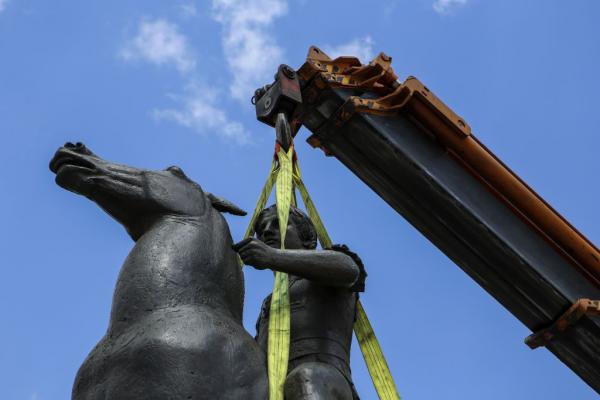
(570,317)
(349,72)
(281,96)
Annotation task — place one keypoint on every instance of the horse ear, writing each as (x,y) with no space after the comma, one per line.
(223,205)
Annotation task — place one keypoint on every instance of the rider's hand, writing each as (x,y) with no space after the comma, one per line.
(255,253)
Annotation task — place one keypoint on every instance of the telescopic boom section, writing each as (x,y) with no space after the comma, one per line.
(425,162)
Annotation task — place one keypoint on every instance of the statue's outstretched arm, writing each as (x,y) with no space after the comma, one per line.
(326,267)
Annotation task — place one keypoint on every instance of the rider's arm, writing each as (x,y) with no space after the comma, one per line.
(326,267)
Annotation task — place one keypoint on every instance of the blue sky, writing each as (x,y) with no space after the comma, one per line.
(157,83)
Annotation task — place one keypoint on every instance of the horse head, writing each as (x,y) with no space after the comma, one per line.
(135,197)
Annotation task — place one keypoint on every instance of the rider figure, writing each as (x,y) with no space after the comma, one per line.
(323,290)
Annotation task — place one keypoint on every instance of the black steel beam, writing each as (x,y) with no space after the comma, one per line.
(414,174)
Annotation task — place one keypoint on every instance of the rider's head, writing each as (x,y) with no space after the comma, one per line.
(301,233)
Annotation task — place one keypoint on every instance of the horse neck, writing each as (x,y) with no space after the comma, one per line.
(180,261)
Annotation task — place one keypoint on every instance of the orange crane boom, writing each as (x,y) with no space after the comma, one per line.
(424,161)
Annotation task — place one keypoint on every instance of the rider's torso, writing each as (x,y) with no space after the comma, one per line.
(322,318)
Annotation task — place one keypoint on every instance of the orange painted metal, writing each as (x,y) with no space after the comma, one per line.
(505,184)
(348,71)
(437,120)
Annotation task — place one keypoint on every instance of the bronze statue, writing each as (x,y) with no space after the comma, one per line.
(175,328)
(323,288)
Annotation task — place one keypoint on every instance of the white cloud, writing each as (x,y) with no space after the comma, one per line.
(159,42)
(251,52)
(3,4)
(445,6)
(362,48)
(34,396)
(188,10)
(200,111)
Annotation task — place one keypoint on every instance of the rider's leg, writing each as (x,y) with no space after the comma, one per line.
(316,381)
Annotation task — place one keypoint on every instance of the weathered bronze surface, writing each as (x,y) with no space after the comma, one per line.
(175,328)
(323,289)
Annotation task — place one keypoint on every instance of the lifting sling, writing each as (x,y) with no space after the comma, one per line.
(285,175)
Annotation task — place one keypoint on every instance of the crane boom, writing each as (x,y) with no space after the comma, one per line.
(424,161)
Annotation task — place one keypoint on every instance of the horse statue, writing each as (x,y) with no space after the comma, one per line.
(175,328)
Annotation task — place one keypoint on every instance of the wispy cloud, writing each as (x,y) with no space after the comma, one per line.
(362,48)
(251,52)
(445,6)
(188,10)
(34,396)
(199,110)
(3,4)
(159,42)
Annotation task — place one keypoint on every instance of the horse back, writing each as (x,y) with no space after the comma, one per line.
(187,353)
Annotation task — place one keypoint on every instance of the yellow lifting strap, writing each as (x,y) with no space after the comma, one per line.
(279,316)
(286,176)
